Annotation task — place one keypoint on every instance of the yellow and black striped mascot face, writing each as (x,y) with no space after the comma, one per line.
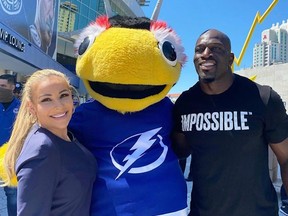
(128,64)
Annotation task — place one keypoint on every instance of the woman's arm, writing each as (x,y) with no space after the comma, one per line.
(37,173)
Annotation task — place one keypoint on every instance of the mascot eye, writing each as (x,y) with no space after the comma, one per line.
(168,52)
(84,46)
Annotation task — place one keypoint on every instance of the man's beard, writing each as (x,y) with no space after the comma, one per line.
(208,80)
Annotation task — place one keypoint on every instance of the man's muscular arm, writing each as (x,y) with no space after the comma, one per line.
(180,145)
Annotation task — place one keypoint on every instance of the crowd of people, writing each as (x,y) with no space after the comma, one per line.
(225,122)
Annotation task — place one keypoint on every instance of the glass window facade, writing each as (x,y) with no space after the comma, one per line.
(76,14)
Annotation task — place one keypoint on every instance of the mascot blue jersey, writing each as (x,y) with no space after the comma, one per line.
(137,166)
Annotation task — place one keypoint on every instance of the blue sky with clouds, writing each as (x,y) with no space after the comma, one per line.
(189,18)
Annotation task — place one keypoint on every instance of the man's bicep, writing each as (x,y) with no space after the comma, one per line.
(281,151)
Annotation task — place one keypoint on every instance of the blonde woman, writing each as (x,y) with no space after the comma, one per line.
(55,173)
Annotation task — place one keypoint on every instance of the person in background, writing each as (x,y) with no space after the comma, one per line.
(75,97)
(228,122)
(18,90)
(55,173)
(9,106)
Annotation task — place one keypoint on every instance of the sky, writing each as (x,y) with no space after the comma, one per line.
(189,18)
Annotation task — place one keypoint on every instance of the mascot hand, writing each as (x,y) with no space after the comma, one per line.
(3,174)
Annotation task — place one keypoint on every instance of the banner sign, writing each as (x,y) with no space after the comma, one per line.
(35,20)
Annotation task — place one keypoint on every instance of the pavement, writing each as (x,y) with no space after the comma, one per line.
(3,208)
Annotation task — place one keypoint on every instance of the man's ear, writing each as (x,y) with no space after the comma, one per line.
(13,87)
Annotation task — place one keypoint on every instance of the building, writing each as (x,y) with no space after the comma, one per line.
(143,2)
(23,49)
(76,14)
(273,48)
(67,16)
(173,97)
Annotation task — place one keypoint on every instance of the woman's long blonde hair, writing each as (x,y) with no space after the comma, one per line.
(24,121)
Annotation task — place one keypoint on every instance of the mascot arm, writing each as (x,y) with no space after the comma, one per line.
(3,174)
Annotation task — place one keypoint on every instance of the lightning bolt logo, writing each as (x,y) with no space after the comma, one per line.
(143,143)
(257,19)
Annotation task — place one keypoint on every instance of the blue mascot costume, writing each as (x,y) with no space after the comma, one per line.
(128,65)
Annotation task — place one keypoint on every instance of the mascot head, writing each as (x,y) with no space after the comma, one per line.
(128,64)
